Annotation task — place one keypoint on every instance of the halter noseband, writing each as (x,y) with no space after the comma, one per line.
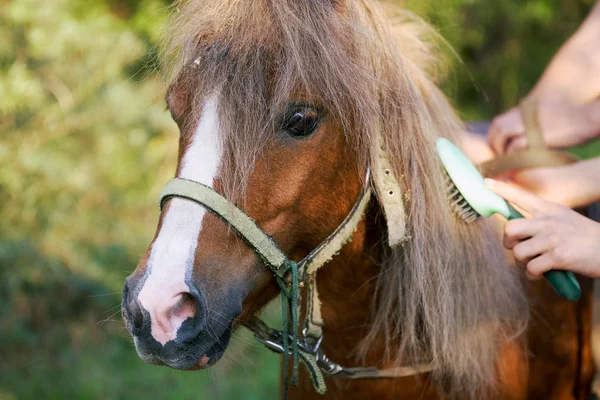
(305,348)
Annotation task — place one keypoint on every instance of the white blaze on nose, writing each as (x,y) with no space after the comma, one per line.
(172,254)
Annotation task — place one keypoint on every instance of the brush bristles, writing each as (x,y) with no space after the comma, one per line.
(458,203)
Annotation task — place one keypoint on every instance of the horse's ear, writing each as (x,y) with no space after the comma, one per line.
(389,192)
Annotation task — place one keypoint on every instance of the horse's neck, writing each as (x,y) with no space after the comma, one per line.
(346,289)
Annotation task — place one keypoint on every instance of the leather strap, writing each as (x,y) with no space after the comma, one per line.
(334,243)
(317,362)
(321,255)
(525,159)
(374,373)
(262,243)
(536,155)
(389,193)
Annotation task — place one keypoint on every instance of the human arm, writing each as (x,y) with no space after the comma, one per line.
(476,147)
(574,185)
(556,237)
(572,77)
(563,125)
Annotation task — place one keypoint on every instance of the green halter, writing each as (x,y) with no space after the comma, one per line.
(287,274)
(281,266)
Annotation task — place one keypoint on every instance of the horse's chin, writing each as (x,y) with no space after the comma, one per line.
(194,357)
(209,358)
(214,354)
(205,362)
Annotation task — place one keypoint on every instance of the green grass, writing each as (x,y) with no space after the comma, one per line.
(109,368)
(61,337)
(96,361)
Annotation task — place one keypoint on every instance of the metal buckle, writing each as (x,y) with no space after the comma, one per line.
(327,366)
(311,343)
(273,342)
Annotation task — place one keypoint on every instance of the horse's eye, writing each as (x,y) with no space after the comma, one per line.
(300,121)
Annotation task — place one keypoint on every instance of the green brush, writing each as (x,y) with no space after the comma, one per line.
(471,199)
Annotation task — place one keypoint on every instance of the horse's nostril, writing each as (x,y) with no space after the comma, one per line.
(185,308)
(131,310)
(178,316)
(163,312)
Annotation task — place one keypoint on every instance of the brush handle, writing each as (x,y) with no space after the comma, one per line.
(563,282)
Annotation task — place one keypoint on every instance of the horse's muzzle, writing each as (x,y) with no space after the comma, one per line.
(175,333)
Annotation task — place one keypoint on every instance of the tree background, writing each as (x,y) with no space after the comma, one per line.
(86,145)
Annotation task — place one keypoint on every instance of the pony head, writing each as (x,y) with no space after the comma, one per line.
(279,105)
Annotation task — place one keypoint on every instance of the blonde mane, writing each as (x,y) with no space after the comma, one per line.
(447,295)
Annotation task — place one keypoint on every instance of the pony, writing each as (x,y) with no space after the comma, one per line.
(280,105)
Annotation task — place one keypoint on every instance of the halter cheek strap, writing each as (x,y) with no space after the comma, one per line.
(389,193)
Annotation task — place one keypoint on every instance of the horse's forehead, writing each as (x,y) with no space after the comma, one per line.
(202,152)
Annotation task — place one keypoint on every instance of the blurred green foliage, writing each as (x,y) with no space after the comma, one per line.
(86,145)
(505,45)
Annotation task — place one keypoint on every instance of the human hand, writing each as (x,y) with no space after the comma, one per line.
(574,185)
(476,148)
(505,129)
(556,237)
(563,125)
(556,184)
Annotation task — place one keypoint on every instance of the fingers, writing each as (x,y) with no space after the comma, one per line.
(533,277)
(504,128)
(517,143)
(517,230)
(498,138)
(531,248)
(539,265)
(525,200)
(476,148)
(542,253)
(537,255)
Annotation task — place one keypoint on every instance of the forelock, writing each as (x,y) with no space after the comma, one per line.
(258,55)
